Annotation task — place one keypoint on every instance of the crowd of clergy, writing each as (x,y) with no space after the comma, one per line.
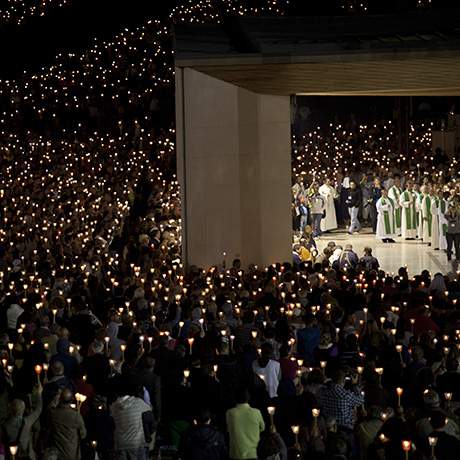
(393,206)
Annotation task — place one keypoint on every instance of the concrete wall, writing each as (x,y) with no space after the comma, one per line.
(234,168)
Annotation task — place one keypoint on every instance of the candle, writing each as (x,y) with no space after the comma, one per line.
(181,325)
(190,342)
(271,413)
(186,375)
(406,446)
(122,348)
(80,400)
(295,429)
(399,392)
(432,440)
(315,412)
(38,371)
(379,371)
(399,349)
(13,451)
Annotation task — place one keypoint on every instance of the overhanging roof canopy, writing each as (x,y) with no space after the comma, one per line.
(410,54)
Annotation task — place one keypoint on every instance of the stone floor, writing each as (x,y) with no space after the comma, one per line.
(415,255)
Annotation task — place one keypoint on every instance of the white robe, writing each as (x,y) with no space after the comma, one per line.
(427,216)
(385,207)
(329,194)
(407,203)
(442,223)
(435,223)
(394,193)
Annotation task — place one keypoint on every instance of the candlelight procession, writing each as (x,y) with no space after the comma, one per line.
(112,347)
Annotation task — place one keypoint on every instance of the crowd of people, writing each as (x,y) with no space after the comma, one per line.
(110,349)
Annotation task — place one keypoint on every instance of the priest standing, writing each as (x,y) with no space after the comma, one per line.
(386,230)
(427,215)
(408,214)
(329,193)
(442,210)
(395,193)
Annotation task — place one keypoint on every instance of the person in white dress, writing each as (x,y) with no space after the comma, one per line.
(386,226)
(408,216)
(394,193)
(427,215)
(329,193)
(442,209)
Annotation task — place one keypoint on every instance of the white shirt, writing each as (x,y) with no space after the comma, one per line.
(270,374)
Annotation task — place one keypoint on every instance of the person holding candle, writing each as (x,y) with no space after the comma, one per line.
(340,403)
(66,428)
(17,429)
(133,421)
(445,446)
(269,369)
(432,410)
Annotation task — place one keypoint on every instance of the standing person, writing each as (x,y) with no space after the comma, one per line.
(66,428)
(394,192)
(367,195)
(17,429)
(202,441)
(435,204)
(244,425)
(453,230)
(133,420)
(317,206)
(344,187)
(340,403)
(376,194)
(329,193)
(442,209)
(386,228)
(408,216)
(268,369)
(427,215)
(353,202)
(418,211)
(303,214)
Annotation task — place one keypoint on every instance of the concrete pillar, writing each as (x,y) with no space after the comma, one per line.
(234,169)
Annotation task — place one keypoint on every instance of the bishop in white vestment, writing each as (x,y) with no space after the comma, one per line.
(329,193)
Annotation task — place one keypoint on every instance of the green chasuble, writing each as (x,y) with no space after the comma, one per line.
(397,193)
(388,219)
(428,213)
(411,218)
